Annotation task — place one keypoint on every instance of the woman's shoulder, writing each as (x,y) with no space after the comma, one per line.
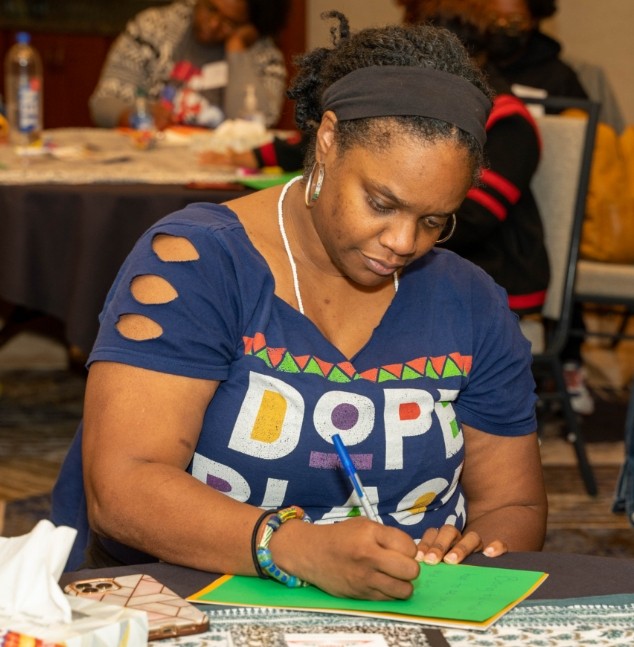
(208,216)
(203,241)
(163,22)
(206,226)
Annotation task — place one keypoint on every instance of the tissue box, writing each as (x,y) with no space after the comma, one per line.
(94,624)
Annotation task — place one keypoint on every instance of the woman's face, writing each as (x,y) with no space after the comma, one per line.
(215,20)
(514,12)
(379,210)
(509,16)
(509,28)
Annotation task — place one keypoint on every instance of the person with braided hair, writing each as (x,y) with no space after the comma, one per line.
(238,340)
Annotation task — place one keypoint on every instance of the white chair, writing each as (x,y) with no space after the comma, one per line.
(560,186)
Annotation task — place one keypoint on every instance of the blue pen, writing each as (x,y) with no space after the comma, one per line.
(351,471)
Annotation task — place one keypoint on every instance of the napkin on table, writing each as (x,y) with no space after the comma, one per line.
(30,567)
(34,609)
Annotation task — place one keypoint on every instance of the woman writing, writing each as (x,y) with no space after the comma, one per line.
(239,338)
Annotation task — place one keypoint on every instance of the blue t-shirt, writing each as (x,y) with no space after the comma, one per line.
(447,352)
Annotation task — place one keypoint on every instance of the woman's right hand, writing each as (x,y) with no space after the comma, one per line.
(357,558)
(241,38)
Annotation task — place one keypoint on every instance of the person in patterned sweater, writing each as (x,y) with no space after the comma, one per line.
(193,60)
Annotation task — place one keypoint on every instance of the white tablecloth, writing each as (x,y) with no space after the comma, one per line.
(93,155)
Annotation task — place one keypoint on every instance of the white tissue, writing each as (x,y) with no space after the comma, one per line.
(30,567)
(238,135)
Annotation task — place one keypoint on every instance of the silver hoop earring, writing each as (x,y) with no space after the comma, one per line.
(450,234)
(311,195)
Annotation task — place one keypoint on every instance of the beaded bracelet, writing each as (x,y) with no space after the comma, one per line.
(264,554)
(254,542)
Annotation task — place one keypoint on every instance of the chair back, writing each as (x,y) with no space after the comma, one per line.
(560,186)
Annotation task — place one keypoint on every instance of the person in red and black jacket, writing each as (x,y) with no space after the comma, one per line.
(499,226)
(286,153)
(528,59)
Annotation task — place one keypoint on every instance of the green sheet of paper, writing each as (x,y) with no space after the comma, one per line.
(446,595)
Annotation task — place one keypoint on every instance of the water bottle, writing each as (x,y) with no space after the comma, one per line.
(141,118)
(142,122)
(23,90)
(250,109)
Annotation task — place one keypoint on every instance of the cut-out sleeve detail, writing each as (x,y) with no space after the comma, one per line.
(217,294)
(138,327)
(152,289)
(171,249)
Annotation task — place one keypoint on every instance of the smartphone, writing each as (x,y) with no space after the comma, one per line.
(169,615)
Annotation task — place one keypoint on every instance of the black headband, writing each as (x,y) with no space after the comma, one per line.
(395,90)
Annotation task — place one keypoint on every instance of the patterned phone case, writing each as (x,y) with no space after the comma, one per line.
(169,615)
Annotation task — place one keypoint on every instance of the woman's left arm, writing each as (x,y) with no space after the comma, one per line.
(504,486)
(506,500)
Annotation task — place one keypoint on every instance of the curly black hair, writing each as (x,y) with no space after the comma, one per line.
(268,16)
(408,45)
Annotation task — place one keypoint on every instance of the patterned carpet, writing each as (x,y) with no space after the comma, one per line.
(40,409)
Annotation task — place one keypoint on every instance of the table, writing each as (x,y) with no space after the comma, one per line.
(583,599)
(66,225)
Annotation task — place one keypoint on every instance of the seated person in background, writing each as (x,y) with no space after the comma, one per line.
(499,226)
(529,59)
(239,338)
(193,60)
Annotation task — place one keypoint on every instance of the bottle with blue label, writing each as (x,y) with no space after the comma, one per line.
(24,92)
(250,109)
(142,121)
(141,118)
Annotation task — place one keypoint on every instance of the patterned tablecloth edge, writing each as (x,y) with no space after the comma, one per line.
(600,620)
